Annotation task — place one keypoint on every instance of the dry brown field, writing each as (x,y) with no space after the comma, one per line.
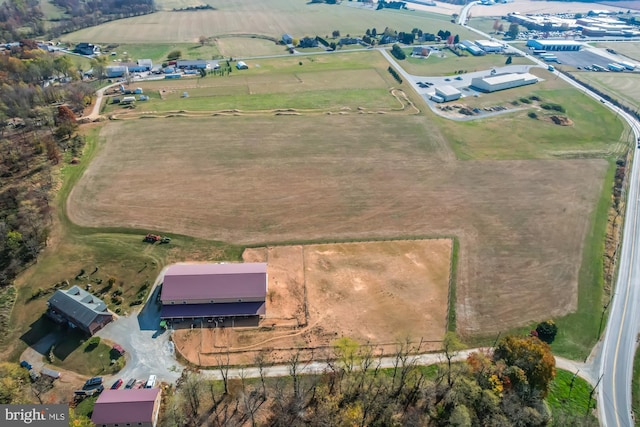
(521,224)
(380,293)
(270,18)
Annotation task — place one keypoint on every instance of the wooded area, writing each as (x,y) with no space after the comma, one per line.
(21,19)
(506,387)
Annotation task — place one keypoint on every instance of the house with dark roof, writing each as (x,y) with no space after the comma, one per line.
(86,49)
(78,309)
(214,292)
(127,407)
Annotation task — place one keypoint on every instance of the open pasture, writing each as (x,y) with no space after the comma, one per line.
(625,87)
(340,81)
(630,50)
(381,293)
(447,63)
(521,224)
(270,18)
(158,52)
(594,132)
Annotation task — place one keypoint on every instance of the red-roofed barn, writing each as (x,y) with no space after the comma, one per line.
(127,407)
(213,292)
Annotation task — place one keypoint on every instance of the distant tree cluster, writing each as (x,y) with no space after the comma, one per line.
(194,8)
(20,19)
(382,4)
(397,51)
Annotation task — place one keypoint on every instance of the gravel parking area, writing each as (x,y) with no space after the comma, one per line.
(148,348)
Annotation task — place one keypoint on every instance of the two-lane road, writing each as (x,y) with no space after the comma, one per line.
(619,345)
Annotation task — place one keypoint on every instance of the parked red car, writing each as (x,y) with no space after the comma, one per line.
(117,384)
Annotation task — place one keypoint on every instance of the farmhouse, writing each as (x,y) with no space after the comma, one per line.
(127,407)
(79,309)
(420,51)
(502,81)
(448,93)
(86,49)
(553,44)
(213,292)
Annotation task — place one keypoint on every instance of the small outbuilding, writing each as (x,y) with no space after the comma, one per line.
(448,93)
(489,46)
(241,65)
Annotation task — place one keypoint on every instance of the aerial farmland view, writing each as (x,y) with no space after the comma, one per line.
(294,213)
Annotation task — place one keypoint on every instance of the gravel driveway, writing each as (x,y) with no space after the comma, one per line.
(148,349)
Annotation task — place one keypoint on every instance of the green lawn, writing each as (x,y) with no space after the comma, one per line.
(630,50)
(79,354)
(594,128)
(158,52)
(569,399)
(447,63)
(625,87)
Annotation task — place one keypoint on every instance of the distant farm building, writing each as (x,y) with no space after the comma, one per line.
(241,65)
(191,64)
(565,45)
(127,407)
(78,309)
(470,47)
(214,292)
(420,51)
(113,71)
(448,93)
(287,39)
(146,64)
(497,82)
(308,42)
(86,49)
(489,46)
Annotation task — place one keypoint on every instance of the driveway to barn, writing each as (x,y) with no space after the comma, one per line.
(148,348)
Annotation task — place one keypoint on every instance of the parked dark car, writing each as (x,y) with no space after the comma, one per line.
(26,365)
(93,381)
(116,385)
(130,383)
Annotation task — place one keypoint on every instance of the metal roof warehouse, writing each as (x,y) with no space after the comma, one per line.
(206,291)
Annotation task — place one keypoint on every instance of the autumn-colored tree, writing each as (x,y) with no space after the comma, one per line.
(76,420)
(13,378)
(529,362)
(65,115)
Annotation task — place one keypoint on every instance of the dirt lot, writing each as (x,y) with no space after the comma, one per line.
(521,224)
(374,292)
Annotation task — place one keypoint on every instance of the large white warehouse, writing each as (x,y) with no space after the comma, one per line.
(503,81)
(448,93)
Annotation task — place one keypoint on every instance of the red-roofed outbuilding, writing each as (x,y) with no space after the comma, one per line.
(127,407)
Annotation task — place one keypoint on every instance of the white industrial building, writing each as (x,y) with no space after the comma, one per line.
(554,44)
(469,46)
(489,46)
(502,81)
(448,93)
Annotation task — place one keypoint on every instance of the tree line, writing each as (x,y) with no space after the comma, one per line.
(24,18)
(503,387)
(37,130)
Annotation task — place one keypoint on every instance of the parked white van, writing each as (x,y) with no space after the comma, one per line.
(151,381)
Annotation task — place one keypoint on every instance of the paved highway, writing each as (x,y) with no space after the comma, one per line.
(616,353)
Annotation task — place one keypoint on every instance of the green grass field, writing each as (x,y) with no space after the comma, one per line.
(273,18)
(571,397)
(447,63)
(315,82)
(594,129)
(635,386)
(158,52)
(630,50)
(625,87)
(76,353)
